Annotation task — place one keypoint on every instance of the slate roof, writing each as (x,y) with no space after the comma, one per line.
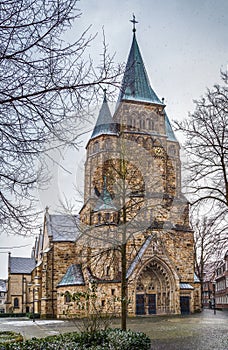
(136,84)
(21,265)
(104,124)
(3,286)
(73,276)
(139,256)
(185,286)
(63,228)
(196,278)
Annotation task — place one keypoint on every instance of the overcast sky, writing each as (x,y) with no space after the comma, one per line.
(184,46)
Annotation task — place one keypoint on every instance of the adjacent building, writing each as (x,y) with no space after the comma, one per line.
(221,284)
(19,281)
(3,295)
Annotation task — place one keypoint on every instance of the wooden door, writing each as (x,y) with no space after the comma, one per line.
(140,304)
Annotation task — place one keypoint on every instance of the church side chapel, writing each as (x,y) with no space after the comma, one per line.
(132,194)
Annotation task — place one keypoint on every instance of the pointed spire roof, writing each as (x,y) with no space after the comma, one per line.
(105,201)
(104,124)
(136,84)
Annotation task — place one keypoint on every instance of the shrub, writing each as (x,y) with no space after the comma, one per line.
(7,337)
(111,339)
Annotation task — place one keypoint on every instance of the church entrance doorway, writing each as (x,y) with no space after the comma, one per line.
(185,305)
(151,304)
(140,304)
(145,304)
(154,290)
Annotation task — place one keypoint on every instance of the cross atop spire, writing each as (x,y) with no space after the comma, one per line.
(134,22)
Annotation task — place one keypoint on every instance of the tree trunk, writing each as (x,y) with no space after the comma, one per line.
(123,288)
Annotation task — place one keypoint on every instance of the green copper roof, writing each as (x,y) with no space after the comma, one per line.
(104,124)
(105,201)
(136,84)
(73,276)
(168,128)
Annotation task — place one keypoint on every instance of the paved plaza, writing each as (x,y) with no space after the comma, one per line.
(194,332)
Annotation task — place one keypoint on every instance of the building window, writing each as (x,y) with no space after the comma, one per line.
(99,218)
(113,291)
(108,144)
(67,298)
(142,124)
(16,303)
(102,303)
(107,270)
(96,147)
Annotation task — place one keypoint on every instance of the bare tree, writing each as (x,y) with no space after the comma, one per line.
(210,241)
(206,145)
(46,86)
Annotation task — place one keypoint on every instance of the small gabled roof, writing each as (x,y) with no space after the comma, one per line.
(20,265)
(186,286)
(104,124)
(63,228)
(136,84)
(73,276)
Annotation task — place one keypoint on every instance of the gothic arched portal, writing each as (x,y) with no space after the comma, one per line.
(155,288)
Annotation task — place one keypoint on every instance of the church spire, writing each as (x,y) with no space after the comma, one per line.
(104,124)
(136,84)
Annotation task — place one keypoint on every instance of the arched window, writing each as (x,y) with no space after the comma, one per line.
(107,270)
(67,297)
(150,124)
(16,303)
(130,122)
(142,124)
(108,144)
(96,147)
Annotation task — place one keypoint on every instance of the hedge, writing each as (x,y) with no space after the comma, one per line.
(111,339)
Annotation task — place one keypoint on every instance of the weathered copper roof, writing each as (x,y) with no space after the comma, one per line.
(168,128)
(136,84)
(105,201)
(73,276)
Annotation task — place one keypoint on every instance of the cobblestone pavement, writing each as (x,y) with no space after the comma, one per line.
(194,332)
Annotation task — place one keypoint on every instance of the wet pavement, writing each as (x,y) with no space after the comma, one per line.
(194,332)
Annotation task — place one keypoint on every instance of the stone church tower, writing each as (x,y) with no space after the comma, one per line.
(133,193)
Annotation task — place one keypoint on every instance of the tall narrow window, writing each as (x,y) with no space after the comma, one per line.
(107,270)
(16,303)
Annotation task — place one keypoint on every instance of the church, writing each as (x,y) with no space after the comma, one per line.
(132,199)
